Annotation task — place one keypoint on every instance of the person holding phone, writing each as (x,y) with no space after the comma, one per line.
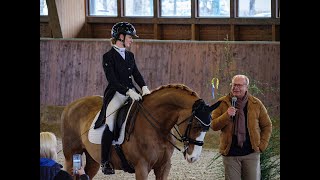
(49,168)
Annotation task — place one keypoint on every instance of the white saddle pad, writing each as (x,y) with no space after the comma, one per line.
(95,135)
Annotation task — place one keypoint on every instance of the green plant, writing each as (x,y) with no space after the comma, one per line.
(270,158)
(217,166)
(226,68)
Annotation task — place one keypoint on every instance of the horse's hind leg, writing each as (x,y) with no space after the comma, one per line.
(162,172)
(92,167)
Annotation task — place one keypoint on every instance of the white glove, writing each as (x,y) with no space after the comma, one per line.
(145,90)
(135,96)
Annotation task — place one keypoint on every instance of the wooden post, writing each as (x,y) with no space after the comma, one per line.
(194,32)
(54,22)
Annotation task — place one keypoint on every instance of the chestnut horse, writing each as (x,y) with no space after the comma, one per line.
(151,143)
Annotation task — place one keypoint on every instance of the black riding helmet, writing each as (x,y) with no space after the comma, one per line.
(123,28)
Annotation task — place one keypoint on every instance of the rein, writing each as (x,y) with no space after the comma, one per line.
(79,138)
(160,130)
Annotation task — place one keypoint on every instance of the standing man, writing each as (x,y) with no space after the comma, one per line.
(245,131)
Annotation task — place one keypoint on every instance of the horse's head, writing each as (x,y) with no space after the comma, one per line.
(178,104)
(197,126)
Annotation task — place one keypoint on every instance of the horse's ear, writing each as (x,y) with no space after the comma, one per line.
(198,104)
(214,106)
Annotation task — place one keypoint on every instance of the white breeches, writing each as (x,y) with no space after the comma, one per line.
(116,102)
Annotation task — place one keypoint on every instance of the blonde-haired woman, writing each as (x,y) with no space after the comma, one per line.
(49,168)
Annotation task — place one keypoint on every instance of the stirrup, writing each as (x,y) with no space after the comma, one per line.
(107,169)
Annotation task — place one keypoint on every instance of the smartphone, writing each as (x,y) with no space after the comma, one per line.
(77,163)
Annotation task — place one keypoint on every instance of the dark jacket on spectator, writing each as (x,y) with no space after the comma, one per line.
(51,170)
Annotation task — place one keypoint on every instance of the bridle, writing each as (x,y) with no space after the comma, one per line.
(185,138)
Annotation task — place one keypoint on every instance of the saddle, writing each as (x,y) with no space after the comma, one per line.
(122,115)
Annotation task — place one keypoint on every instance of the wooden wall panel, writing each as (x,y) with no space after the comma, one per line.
(144,31)
(277,33)
(104,31)
(175,32)
(71,69)
(101,30)
(254,33)
(85,31)
(214,32)
(45,30)
(183,32)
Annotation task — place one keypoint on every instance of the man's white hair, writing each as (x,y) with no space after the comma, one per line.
(241,76)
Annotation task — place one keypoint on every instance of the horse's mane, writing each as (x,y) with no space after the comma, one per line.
(177,86)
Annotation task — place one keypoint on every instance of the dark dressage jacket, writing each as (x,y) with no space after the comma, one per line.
(119,73)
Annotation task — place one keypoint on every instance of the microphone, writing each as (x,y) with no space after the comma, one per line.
(233,103)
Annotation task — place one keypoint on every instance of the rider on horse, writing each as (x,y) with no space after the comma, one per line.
(119,67)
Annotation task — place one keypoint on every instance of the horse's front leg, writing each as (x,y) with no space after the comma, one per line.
(141,170)
(162,172)
(68,162)
(92,167)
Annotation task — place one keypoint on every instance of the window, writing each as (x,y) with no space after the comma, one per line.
(138,7)
(254,8)
(103,8)
(43,8)
(176,8)
(214,8)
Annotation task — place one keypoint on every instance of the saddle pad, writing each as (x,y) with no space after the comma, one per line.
(95,135)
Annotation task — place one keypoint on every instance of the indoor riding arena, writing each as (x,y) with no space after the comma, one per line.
(195,45)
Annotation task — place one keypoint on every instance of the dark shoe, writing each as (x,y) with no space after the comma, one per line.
(107,169)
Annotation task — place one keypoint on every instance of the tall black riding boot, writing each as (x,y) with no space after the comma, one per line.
(106,142)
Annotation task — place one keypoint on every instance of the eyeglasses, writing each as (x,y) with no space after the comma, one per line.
(237,85)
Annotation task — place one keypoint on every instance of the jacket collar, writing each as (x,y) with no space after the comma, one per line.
(47,162)
(227,99)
